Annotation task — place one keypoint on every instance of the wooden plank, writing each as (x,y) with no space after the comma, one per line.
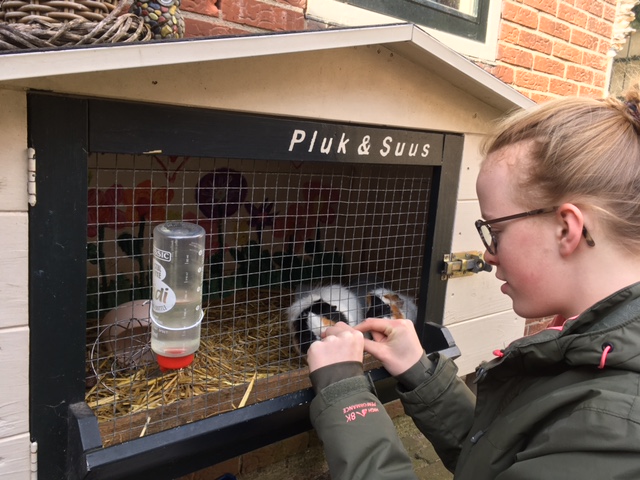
(471,158)
(13,154)
(14,372)
(14,283)
(478,338)
(477,295)
(15,461)
(132,426)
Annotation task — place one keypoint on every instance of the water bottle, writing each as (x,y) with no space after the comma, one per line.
(176,307)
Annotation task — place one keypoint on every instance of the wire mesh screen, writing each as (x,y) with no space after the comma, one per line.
(274,230)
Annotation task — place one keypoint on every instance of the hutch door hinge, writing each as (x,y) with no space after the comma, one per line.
(34,460)
(31,176)
(463,264)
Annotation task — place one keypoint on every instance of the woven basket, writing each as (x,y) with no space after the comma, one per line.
(59,23)
(20,11)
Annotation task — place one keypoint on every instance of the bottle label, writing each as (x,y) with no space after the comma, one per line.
(161,254)
(164,298)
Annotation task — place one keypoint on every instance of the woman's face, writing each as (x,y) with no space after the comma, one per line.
(525,256)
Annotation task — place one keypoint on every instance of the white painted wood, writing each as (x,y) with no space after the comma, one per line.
(14,265)
(470,167)
(13,154)
(14,381)
(170,58)
(15,458)
(478,338)
(365,84)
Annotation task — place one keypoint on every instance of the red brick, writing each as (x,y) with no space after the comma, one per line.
(587,91)
(572,15)
(557,29)
(579,74)
(522,16)
(595,60)
(504,73)
(563,87)
(609,13)
(294,3)
(604,47)
(535,325)
(549,65)
(567,52)
(601,27)
(515,56)
(549,6)
(599,79)
(203,7)
(509,33)
(535,42)
(584,39)
(275,452)
(594,7)
(195,27)
(262,15)
(394,408)
(532,81)
(540,97)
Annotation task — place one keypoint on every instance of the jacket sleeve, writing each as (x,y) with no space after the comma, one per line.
(440,404)
(360,440)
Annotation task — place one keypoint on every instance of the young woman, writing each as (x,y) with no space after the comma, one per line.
(559,192)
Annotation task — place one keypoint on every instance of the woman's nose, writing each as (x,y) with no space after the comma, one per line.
(490,258)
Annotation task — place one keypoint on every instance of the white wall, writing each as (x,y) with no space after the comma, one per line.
(14,313)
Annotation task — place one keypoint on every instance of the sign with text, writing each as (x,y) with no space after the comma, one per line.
(143,128)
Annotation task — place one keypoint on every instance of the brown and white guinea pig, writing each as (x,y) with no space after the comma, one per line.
(317,308)
(385,303)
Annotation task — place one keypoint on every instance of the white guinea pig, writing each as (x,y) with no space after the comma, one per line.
(315,309)
(385,303)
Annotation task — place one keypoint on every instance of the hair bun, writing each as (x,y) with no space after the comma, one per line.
(632,109)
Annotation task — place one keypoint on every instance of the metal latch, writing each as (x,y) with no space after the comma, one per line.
(463,264)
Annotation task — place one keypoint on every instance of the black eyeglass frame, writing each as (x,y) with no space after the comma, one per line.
(492,248)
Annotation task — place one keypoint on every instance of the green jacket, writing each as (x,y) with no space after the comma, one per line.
(544,410)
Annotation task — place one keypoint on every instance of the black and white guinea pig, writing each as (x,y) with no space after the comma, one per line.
(385,303)
(315,309)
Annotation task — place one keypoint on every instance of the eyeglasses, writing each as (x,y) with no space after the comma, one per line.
(491,241)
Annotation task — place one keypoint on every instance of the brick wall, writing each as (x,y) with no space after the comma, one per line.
(546,48)
(214,18)
(552,48)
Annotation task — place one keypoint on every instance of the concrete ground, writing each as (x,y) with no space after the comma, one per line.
(302,458)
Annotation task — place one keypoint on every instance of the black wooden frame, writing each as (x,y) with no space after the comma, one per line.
(63,130)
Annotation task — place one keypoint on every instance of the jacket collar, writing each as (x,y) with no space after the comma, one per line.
(613,321)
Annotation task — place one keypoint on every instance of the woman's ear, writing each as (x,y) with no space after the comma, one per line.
(570,224)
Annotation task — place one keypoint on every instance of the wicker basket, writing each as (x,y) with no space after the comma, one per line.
(20,11)
(59,23)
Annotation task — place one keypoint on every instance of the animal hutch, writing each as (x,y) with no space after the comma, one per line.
(339,156)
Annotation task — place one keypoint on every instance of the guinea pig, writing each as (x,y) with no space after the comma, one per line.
(315,309)
(385,303)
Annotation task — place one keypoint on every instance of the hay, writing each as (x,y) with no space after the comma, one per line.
(244,339)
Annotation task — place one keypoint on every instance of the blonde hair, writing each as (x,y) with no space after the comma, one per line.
(584,151)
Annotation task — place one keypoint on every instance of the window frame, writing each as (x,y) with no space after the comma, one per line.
(341,13)
(432,15)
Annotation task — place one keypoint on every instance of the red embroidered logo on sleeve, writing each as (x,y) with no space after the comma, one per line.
(359,410)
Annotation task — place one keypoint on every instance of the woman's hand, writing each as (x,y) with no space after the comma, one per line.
(395,343)
(341,343)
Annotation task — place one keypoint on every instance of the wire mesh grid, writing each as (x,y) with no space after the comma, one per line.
(270,227)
